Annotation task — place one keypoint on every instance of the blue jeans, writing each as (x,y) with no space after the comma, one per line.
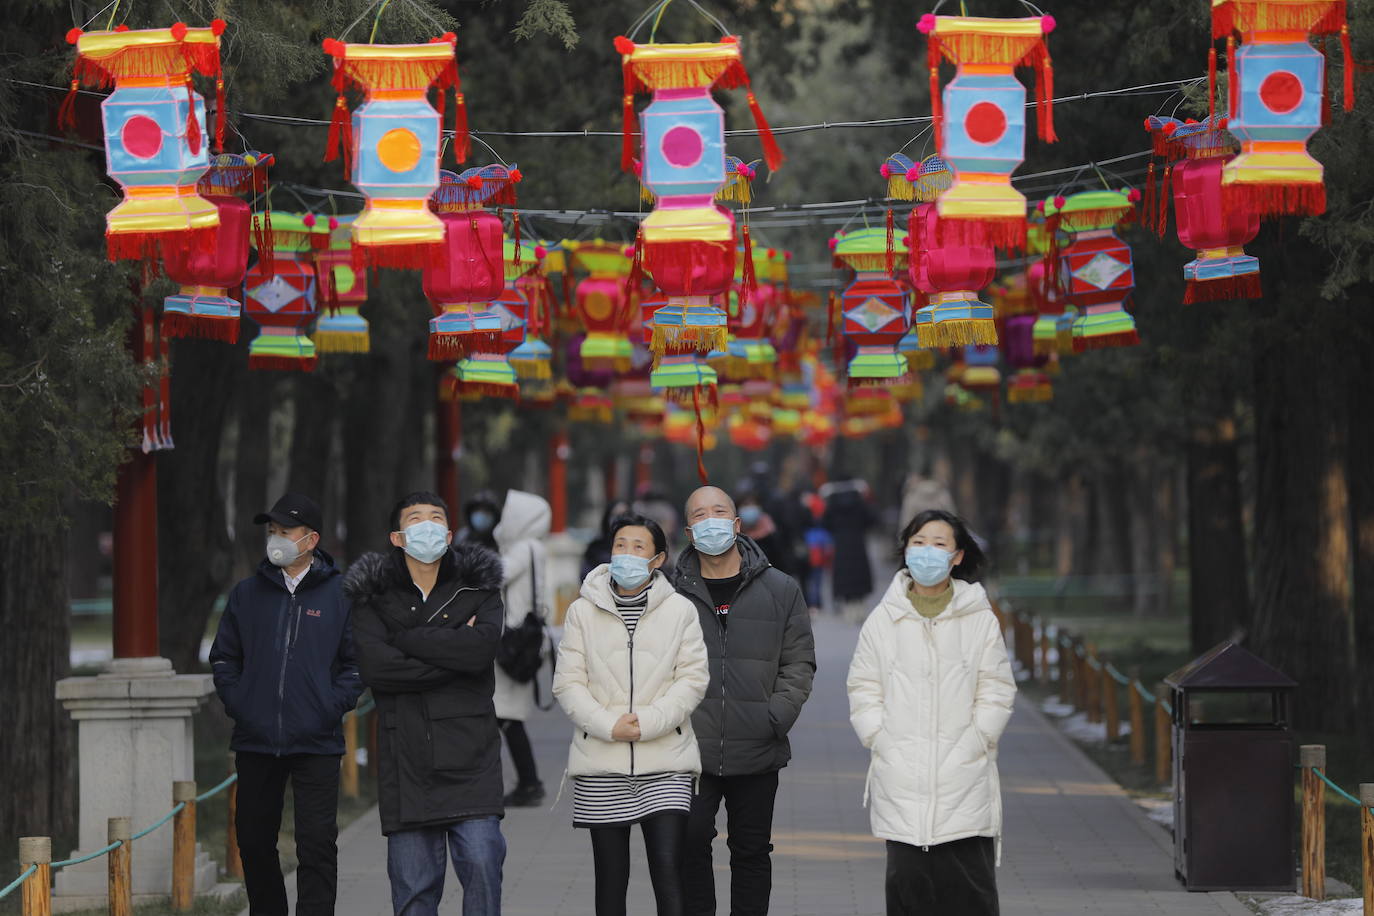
(415,864)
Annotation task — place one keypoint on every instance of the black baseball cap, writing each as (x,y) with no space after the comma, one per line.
(291,510)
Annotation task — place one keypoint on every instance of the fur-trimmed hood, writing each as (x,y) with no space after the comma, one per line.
(373,573)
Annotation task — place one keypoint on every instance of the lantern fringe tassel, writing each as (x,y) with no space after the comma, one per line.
(327,341)
(206,327)
(1006,233)
(532,368)
(1319,17)
(400,257)
(489,389)
(1247,286)
(1046,346)
(618,364)
(1106,341)
(957,332)
(1307,199)
(918,360)
(148,246)
(284,363)
(1039,393)
(449,347)
(677,339)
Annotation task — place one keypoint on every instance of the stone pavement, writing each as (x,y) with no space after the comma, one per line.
(1074,842)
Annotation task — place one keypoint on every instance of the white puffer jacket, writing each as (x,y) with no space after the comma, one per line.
(524,524)
(930,697)
(660,675)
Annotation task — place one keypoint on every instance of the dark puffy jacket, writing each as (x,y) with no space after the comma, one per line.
(438,747)
(283,662)
(762,664)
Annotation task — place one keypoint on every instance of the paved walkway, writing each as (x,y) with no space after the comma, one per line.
(1074,842)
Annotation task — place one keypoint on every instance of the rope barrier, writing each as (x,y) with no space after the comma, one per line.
(77,860)
(1144,694)
(1117,676)
(368,705)
(165,818)
(217,789)
(14,885)
(1339,791)
(1093,663)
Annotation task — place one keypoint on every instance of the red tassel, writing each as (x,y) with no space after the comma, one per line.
(1212,83)
(1349,71)
(772,155)
(193,137)
(283,363)
(462,143)
(1245,287)
(1162,220)
(269,269)
(889,255)
(1046,102)
(1232,84)
(179,324)
(1151,199)
(219,114)
(627,133)
(340,132)
(66,114)
(830,317)
(515,236)
(937,113)
(701,437)
(635,281)
(749,282)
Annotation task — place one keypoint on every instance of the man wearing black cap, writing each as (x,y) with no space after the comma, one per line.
(284,668)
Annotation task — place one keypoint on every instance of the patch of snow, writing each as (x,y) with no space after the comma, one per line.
(1159,810)
(1079,728)
(1304,906)
(1055,709)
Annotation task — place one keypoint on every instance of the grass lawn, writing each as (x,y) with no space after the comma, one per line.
(1159,646)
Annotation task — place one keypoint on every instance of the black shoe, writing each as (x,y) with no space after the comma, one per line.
(526,796)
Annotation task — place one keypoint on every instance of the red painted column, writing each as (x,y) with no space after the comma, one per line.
(559,452)
(644,469)
(448,439)
(135,527)
(611,471)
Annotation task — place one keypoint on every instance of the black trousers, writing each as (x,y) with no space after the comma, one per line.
(664,838)
(950,879)
(315,793)
(521,754)
(749,828)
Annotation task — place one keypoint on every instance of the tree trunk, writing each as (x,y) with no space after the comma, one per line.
(1302,518)
(373,420)
(1218,592)
(1361,446)
(313,435)
(1070,526)
(1166,540)
(251,468)
(38,756)
(194,554)
(1143,526)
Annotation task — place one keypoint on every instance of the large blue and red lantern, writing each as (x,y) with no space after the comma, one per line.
(1277,83)
(980,119)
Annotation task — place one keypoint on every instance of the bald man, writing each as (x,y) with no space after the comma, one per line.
(762,660)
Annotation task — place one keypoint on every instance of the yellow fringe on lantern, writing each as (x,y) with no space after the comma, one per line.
(678,338)
(916,360)
(619,364)
(1045,346)
(396,67)
(898,188)
(975,40)
(646,195)
(343,341)
(682,66)
(741,368)
(875,260)
(532,368)
(1317,17)
(958,332)
(1029,394)
(737,188)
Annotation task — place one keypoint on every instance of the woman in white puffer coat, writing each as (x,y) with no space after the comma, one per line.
(631,669)
(930,692)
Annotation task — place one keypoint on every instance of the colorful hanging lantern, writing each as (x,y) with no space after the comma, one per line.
(155,131)
(1029,382)
(980,369)
(980,119)
(688,241)
(533,358)
(951,276)
(343,290)
(514,309)
(603,305)
(280,294)
(1097,270)
(685,378)
(750,352)
(1205,219)
(203,306)
(469,270)
(874,306)
(391,146)
(1277,83)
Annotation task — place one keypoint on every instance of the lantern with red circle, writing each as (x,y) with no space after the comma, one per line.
(281,294)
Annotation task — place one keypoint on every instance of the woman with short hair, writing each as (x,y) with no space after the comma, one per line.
(930,692)
(631,669)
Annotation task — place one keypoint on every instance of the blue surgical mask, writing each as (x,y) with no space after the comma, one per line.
(929,565)
(482,520)
(629,570)
(750,515)
(714,536)
(426,541)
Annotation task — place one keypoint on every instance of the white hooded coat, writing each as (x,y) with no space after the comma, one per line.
(930,698)
(520,534)
(661,679)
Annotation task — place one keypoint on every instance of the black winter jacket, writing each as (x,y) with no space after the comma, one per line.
(284,664)
(438,746)
(762,664)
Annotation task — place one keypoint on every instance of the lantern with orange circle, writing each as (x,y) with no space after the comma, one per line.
(281,294)
(603,305)
(156,146)
(391,145)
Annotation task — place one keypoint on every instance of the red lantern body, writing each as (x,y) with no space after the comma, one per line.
(690,267)
(950,275)
(471,268)
(204,307)
(1217,232)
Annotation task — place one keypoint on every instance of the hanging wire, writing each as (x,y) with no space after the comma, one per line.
(361,16)
(87,23)
(377,20)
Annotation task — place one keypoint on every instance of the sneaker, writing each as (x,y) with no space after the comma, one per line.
(526,796)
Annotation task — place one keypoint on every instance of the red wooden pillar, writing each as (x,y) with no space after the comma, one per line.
(448,439)
(135,523)
(558,480)
(644,469)
(611,471)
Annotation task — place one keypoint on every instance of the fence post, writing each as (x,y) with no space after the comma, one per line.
(1163,739)
(1109,705)
(1312,757)
(184,846)
(1093,678)
(1367,842)
(1080,677)
(1065,673)
(36,892)
(1137,718)
(348,780)
(233,862)
(1044,655)
(120,867)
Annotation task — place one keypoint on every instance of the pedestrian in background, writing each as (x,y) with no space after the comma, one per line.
(284,668)
(848,517)
(930,681)
(631,668)
(482,514)
(598,550)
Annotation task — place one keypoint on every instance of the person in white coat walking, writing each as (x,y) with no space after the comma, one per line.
(520,534)
(930,692)
(631,669)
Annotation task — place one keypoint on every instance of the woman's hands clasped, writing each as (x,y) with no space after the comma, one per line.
(626,728)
